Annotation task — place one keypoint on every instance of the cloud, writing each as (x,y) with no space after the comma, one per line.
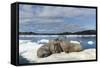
(49,18)
(51,11)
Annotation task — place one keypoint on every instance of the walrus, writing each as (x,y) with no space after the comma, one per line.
(75,47)
(65,46)
(58,46)
(50,48)
(70,47)
(54,46)
(43,51)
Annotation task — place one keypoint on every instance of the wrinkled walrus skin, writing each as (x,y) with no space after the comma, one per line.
(43,51)
(57,46)
(54,47)
(48,49)
(70,47)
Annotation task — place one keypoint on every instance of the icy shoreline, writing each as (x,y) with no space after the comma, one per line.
(28,50)
(56,35)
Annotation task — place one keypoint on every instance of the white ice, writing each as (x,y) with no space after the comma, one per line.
(28,50)
(90,42)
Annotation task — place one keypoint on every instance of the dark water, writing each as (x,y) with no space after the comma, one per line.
(83,39)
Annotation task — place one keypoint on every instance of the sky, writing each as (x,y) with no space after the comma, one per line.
(55,19)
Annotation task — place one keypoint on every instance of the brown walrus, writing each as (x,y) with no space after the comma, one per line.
(49,48)
(44,51)
(70,47)
(57,46)
(54,46)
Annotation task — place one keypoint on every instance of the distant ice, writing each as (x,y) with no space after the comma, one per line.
(74,42)
(56,35)
(90,42)
(43,41)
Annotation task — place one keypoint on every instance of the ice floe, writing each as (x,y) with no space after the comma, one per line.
(28,50)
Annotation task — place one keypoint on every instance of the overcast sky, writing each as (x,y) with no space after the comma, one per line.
(50,19)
